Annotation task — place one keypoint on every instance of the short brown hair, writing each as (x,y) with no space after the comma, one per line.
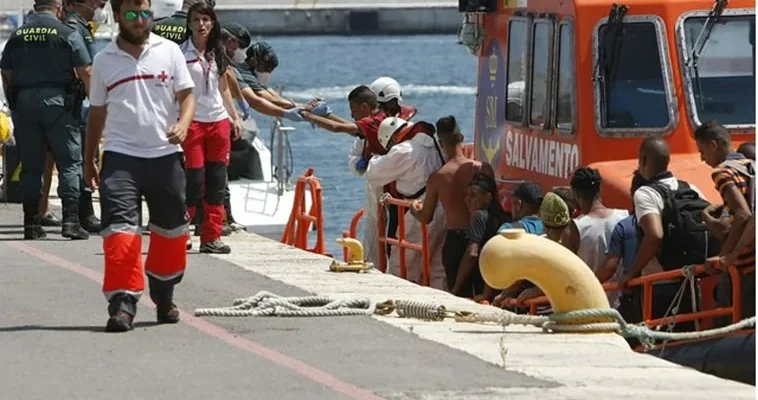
(116,4)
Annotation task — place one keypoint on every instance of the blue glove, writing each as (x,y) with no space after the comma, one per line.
(322,109)
(361,165)
(244,108)
(293,114)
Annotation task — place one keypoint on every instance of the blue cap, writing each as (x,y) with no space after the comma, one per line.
(529,192)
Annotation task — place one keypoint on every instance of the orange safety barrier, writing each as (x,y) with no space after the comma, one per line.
(352,233)
(299,223)
(400,242)
(647,297)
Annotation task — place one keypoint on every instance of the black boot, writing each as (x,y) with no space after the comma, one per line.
(87,218)
(162,294)
(71,228)
(33,222)
(122,308)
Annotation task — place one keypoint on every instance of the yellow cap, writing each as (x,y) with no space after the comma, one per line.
(92,26)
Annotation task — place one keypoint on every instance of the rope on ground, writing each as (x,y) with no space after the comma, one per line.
(266,304)
(269,304)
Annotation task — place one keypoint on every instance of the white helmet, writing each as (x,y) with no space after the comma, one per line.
(386,89)
(388,127)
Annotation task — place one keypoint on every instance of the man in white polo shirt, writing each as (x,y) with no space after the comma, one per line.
(137,82)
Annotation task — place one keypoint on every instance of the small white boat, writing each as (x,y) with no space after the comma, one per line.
(262,203)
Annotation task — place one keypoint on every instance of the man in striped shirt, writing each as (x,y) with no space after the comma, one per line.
(733,176)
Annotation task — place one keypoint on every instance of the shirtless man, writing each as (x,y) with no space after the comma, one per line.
(447,186)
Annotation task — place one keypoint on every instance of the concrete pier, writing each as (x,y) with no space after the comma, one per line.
(54,312)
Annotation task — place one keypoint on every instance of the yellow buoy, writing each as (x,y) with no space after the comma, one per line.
(565,279)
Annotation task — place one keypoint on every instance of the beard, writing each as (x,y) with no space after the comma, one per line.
(131,38)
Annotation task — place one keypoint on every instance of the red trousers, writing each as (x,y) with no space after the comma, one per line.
(206,150)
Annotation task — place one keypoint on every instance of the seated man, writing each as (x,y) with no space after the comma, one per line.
(412,156)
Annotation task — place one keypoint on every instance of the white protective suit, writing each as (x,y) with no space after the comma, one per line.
(369,223)
(410,164)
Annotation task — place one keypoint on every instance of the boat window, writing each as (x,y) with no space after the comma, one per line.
(541,46)
(721,79)
(564,110)
(633,92)
(515,93)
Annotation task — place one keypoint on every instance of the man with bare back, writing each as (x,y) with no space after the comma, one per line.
(448,186)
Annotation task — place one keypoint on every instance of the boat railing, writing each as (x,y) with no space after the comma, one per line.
(301,220)
(282,168)
(401,242)
(647,282)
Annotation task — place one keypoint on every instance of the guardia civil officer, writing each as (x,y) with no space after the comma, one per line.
(80,13)
(174,28)
(38,65)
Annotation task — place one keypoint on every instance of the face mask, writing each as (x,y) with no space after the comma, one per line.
(99,17)
(264,77)
(239,55)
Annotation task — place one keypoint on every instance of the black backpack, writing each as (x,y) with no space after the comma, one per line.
(686,239)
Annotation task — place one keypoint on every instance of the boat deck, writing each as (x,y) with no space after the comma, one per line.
(53,346)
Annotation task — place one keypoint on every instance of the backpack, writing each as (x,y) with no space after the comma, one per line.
(686,239)
(747,170)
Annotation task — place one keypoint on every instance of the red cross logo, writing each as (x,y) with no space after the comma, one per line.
(163,76)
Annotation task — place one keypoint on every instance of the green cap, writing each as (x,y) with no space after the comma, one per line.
(554,212)
(239,32)
(263,51)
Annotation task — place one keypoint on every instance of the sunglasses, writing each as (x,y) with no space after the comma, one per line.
(144,14)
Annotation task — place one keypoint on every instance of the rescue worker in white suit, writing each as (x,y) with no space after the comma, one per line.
(388,97)
(412,156)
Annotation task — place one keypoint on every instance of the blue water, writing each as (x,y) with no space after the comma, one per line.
(438,76)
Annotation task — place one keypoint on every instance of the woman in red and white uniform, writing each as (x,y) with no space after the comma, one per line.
(208,142)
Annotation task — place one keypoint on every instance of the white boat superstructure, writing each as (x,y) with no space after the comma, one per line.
(263,203)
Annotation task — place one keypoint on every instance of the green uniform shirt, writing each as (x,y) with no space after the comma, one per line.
(241,82)
(76,21)
(247,75)
(44,53)
(173,28)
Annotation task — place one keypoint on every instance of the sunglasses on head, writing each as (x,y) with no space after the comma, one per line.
(144,14)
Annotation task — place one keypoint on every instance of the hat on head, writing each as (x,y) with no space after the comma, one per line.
(554,212)
(238,32)
(389,127)
(484,182)
(386,89)
(529,192)
(263,51)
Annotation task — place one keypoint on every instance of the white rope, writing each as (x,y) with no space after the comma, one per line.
(268,304)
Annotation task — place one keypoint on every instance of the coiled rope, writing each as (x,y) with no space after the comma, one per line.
(268,304)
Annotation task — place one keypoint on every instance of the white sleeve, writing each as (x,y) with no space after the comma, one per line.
(647,201)
(388,168)
(98,89)
(356,153)
(182,78)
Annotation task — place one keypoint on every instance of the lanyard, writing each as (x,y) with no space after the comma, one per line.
(206,71)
